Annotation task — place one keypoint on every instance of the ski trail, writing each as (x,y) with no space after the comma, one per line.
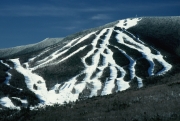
(8,78)
(7,72)
(140,83)
(146,52)
(65,92)
(6,102)
(32,79)
(81,48)
(57,53)
(131,64)
(92,68)
(33,58)
(122,85)
(110,82)
(23,101)
(48,59)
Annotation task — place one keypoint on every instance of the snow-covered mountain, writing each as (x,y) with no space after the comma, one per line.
(94,62)
(19,50)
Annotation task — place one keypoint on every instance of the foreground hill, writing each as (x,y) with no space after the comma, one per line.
(132,54)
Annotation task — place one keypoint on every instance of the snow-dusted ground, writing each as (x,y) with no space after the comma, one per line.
(6,102)
(61,93)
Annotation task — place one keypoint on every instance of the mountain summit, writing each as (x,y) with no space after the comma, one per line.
(94,62)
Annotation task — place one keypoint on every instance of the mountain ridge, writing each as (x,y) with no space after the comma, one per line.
(46,42)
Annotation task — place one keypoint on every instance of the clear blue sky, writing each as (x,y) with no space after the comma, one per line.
(29,21)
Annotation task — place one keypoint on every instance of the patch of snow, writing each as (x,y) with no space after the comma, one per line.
(110,82)
(81,48)
(129,23)
(131,64)
(23,101)
(122,85)
(108,87)
(97,85)
(6,102)
(71,42)
(9,75)
(140,83)
(8,78)
(48,59)
(5,64)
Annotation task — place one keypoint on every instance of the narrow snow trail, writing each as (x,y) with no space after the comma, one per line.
(5,64)
(81,48)
(166,65)
(56,54)
(122,85)
(69,44)
(8,78)
(32,59)
(23,101)
(131,64)
(110,82)
(32,79)
(6,102)
(48,59)
(140,83)
(9,75)
(146,52)
(51,57)
(92,68)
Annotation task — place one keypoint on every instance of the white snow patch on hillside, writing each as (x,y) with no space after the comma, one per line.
(63,94)
(23,101)
(9,75)
(140,83)
(7,78)
(32,80)
(6,102)
(122,85)
(127,23)
(55,95)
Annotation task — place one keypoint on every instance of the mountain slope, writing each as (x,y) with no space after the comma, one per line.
(162,32)
(94,62)
(20,50)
